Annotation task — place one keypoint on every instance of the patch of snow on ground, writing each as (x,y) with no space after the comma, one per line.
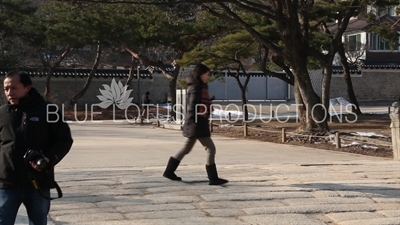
(224,114)
(339,101)
(219,112)
(379,113)
(354,143)
(226,125)
(368,134)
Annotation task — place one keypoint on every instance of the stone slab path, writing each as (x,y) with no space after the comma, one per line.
(113,176)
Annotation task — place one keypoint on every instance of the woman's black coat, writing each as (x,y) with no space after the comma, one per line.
(196,125)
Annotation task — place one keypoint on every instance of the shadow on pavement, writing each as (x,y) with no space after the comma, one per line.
(348,189)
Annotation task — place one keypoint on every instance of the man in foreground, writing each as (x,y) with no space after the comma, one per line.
(33,139)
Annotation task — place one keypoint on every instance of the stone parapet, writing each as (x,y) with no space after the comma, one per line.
(395,127)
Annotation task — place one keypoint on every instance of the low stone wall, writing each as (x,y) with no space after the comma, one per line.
(63,88)
(370,85)
(395,127)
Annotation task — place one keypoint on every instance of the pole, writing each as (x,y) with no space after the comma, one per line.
(76,83)
(283,135)
(338,143)
(138,83)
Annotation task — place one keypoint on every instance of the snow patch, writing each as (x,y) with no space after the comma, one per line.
(368,134)
(219,112)
(225,125)
(354,143)
(339,101)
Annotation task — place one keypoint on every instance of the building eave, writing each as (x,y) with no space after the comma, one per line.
(71,72)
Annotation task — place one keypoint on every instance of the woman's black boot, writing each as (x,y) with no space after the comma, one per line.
(213,175)
(170,170)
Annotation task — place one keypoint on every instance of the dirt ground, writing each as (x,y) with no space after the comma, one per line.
(271,131)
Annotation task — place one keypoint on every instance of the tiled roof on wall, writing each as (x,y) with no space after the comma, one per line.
(71,72)
(380,65)
(367,65)
(339,70)
(168,68)
(252,74)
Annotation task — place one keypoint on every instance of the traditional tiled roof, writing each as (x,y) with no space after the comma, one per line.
(339,70)
(168,68)
(251,73)
(367,65)
(71,72)
(362,24)
(380,65)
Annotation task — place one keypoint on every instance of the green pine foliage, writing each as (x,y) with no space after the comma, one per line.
(16,27)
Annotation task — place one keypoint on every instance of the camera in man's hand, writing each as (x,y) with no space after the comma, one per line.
(37,158)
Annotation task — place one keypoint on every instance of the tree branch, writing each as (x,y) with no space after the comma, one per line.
(233,17)
(324,27)
(264,59)
(148,62)
(237,77)
(256,8)
(246,82)
(395,24)
(289,78)
(245,47)
(279,8)
(345,21)
(144,2)
(291,7)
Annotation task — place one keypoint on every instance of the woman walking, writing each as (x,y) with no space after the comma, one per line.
(196,126)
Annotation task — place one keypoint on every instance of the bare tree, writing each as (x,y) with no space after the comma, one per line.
(52,68)
(354,53)
(96,63)
(347,77)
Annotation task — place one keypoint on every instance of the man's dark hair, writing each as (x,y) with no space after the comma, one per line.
(24,78)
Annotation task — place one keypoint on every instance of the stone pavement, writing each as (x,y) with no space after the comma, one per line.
(113,176)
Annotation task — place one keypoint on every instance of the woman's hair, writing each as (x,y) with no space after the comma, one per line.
(198,70)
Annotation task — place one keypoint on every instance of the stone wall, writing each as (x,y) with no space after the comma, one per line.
(370,85)
(63,88)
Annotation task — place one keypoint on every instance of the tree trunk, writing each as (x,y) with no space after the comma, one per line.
(132,71)
(315,117)
(75,99)
(244,98)
(301,109)
(243,88)
(314,113)
(326,86)
(51,71)
(172,89)
(296,53)
(347,78)
(244,106)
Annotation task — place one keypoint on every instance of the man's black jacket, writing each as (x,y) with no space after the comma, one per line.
(32,124)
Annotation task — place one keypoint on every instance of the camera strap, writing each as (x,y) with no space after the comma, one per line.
(36,186)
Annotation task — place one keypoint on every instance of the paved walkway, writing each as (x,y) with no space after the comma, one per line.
(112,176)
